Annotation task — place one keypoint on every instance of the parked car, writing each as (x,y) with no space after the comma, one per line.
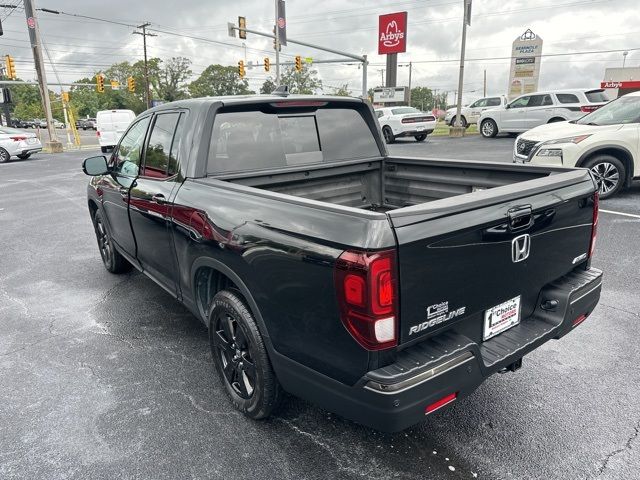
(405,122)
(471,113)
(324,267)
(39,123)
(91,124)
(17,143)
(529,111)
(606,141)
(58,124)
(110,125)
(17,123)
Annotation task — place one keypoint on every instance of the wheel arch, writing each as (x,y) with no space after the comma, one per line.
(557,119)
(93,207)
(617,151)
(219,276)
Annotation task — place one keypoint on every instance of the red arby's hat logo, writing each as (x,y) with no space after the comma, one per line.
(31,22)
(281,22)
(392,33)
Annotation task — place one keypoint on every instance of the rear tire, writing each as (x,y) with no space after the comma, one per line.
(113,261)
(488,128)
(24,156)
(463,120)
(241,358)
(389,137)
(609,172)
(421,138)
(4,155)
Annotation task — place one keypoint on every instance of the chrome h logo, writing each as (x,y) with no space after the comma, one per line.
(520,248)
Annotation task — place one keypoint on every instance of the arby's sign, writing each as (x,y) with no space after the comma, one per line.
(392,33)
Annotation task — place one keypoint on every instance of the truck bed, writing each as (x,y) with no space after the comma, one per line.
(390,184)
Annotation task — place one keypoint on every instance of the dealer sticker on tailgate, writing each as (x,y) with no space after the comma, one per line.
(501,317)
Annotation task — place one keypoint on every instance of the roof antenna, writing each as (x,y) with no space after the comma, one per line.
(282,90)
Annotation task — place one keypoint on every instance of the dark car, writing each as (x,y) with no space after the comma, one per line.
(379,287)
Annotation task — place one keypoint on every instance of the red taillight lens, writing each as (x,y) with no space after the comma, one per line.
(98,133)
(594,228)
(18,139)
(440,403)
(589,108)
(579,320)
(366,290)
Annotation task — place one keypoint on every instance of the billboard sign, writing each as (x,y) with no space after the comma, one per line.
(392,33)
(525,64)
(390,95)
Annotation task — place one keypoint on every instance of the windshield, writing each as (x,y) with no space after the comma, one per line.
(620,111)
(403,110)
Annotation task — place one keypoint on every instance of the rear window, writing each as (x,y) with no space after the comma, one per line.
(597,96)
(403,110)
(567,98)
(256,140)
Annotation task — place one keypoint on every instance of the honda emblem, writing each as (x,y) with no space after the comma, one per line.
(520,247)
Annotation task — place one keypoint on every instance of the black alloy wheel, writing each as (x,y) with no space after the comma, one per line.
(4,155)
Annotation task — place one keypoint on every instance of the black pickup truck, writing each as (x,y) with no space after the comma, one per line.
(380,288)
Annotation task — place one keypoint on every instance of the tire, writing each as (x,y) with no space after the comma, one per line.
(556,119)
(113,261)
(488,128)
(421,138)
(241,358)
(24,156)
(104,149)
(4,155)
(463,120)
(609,172)
(388,135)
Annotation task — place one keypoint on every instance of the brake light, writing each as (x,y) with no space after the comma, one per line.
(440,403)
(365,285)
(97,133)
(18,139)
(589,108)
(579,320)
(594,228)
(298,103)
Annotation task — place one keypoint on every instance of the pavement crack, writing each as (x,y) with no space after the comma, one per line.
(625,447)
(199,407)
(635,314)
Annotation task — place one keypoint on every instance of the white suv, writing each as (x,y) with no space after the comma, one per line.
(529,111)
(471,113)
(405,122)
(607,141)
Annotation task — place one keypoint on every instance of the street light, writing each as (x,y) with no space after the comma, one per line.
(624,57)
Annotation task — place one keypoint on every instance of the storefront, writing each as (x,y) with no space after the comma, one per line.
(620,81)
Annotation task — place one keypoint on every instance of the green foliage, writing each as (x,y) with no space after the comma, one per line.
(342,91)
(168,80)
(303,82)
(218,80)
(268,86)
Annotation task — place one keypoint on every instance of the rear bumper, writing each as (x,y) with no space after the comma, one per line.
(395,397)
(413,132)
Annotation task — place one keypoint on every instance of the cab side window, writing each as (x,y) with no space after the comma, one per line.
(160,159)
(520,102)
(128,154)
(479,103)
(493,102)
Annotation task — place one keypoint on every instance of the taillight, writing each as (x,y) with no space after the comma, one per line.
(18,139)
(579,319)
(440,403)
(97,133)
(589,108)
(594,228)
(367,297)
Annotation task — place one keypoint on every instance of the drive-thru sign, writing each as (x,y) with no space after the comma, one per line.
(392,33)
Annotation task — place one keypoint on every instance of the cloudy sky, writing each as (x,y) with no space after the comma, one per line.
(80,47)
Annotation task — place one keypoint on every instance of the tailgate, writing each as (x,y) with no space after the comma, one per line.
(462,255)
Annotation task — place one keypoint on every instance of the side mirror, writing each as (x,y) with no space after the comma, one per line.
(507,106)
(95,166)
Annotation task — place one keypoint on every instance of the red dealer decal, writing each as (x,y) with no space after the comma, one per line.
(392,33)
(623,84)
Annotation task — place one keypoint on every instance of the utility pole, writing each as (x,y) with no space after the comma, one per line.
(146,63)
(36,46)
(484,88)
(276,32)
(381,70)
(459,130)
(410,68)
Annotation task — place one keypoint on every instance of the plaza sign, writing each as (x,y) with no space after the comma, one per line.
(525,64)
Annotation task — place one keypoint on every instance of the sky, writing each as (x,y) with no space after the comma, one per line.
(81,47)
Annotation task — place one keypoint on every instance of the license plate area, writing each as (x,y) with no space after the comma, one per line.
(501,317)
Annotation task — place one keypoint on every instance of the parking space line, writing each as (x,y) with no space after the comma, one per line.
(620,213)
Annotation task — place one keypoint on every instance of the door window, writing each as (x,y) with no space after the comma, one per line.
(479,103)
(567,98)
(493,102)
(520,102)
(158,157)
(538,100)
(126,158)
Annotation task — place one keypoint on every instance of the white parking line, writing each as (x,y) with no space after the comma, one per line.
(620,213)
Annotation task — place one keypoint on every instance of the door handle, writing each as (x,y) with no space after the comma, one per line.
(159,199)
(124,191)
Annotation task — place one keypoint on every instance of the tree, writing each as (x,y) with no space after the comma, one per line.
(422,98)
(342,91)
(268,86)
(303,82)
(218,80)
(168,80)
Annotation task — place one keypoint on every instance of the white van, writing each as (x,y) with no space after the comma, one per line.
(110,125)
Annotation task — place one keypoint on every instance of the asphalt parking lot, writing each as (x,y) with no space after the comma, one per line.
(105,376)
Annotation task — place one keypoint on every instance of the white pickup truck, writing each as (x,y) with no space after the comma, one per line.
(471,113)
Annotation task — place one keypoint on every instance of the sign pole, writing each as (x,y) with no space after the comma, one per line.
(277,44)
(466,20)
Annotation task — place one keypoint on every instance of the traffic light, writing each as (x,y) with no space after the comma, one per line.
(298,63)
(131,84)
(65,97)
(11,67)
(241,71)
(242,24)
(267,64)
(100,83)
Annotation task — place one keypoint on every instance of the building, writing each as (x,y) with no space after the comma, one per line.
(620,81)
